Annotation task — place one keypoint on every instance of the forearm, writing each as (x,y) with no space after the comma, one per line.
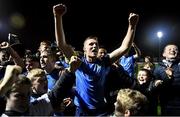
(60,90)
(2,91)
(125,46)
(127,42)
(137,52)
(59,31)
(60,37)
(16,58)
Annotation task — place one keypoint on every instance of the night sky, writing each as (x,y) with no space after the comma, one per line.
(106,19)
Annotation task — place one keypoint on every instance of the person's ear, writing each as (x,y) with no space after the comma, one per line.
(127,113)
(164,55)
(84,48)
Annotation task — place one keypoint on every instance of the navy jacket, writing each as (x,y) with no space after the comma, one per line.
(170,91)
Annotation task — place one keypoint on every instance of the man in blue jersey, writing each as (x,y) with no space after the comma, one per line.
(128,60)
(91,75)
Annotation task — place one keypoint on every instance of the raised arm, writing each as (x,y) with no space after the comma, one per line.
(127,42)
(137,51)
(16,58)
(59,10)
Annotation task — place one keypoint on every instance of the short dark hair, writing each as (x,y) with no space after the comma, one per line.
(91,37)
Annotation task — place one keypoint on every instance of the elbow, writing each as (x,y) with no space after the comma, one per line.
(126,49)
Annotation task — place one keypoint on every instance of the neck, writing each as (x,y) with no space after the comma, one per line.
(171,60)
(35,93)
(12,110)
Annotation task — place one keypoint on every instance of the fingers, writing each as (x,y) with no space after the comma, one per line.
(59,5)
(133,19)
(158,82)
(133,14)
(67,101)
(75,59)
(4,45)
(169,72)
(74,63)
(59,9)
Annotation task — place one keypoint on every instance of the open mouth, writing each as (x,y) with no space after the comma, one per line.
(173,53)
(42,63)
(141,80)
(94,50)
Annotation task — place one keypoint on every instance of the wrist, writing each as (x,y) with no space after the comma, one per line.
(57,15)
(132,27)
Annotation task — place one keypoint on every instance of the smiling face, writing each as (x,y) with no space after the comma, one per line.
(171,52)
(101,53)
(47,60)
(91,47)
(143,77)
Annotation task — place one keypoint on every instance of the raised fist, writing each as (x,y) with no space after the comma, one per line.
(133,19)
(59,9)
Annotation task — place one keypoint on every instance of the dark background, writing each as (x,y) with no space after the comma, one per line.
(106,19)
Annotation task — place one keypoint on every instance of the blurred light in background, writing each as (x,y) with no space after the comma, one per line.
(159,34)
(17,21)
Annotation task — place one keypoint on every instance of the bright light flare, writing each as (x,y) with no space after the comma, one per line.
(159,34)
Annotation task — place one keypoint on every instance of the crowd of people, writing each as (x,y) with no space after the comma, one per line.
(60,81)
